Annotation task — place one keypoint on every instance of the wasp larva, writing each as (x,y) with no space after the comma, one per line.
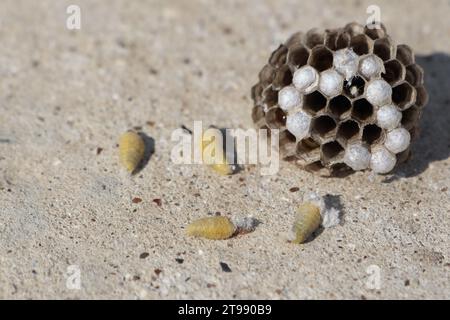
(220,227)
(307,221)
(131,150)
(213,153)
(310,216)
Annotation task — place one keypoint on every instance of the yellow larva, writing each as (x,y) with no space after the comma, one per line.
(212,152)
(307,221)
(131,150)
(214,228)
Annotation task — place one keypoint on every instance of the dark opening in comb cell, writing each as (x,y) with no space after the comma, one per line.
(394,72)
(321,58)
(330,39)
(267,74)
(306,145)
(410,117)
(374,32)
(360,44)
(257,113)
(348,130)
(403,95)
(323,124)
(256,92)
(270,97)
(355,87)
(371,133)
(278,57)
(331,150)
(405,55)
(315,166)
(287,142)
(414,75)
(313,38)
(362,109)
(282,78)
(422,96)
(340,105)
(343,40)
(298,57)
(314,102)
(382,48)
(275,118)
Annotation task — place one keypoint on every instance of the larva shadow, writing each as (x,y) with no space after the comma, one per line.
(432,144)
(149,143)
(314,235)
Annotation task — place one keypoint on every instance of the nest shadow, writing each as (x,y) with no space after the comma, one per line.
(433,142)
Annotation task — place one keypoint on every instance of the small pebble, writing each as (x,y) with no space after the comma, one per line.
(225,267)
(136,200)
(144,255)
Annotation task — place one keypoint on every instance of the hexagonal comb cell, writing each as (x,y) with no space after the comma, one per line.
(354,29)
(314,102)
(404,95)
(278,57)
(362,110)
(340,106)
(257,114)
(347,130)
(343,40)
(395,72)
(360,44)
(283,78)
(294,40)
(270,97)
(405,55)
(308,151)
(313,38)
(330,39)
(287,143)
(323,125)
(321,58)
(355,87)
(298,56)
(331,150)
(267,74)
(275,118)
(410,117)
(414,75)
(383,48)
(422,96)
(372,134)
(256,93)
(375,32)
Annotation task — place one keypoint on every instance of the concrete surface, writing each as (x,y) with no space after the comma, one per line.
(161,64)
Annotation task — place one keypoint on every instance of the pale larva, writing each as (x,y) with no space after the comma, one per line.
(213,153)
(214,228)
(307,220)
(220,227)
(131,150)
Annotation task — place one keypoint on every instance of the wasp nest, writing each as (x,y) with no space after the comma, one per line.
(345,99)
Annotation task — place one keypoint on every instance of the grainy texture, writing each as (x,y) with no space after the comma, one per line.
(161,64)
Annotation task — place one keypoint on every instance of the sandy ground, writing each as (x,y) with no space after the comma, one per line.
(66,205)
